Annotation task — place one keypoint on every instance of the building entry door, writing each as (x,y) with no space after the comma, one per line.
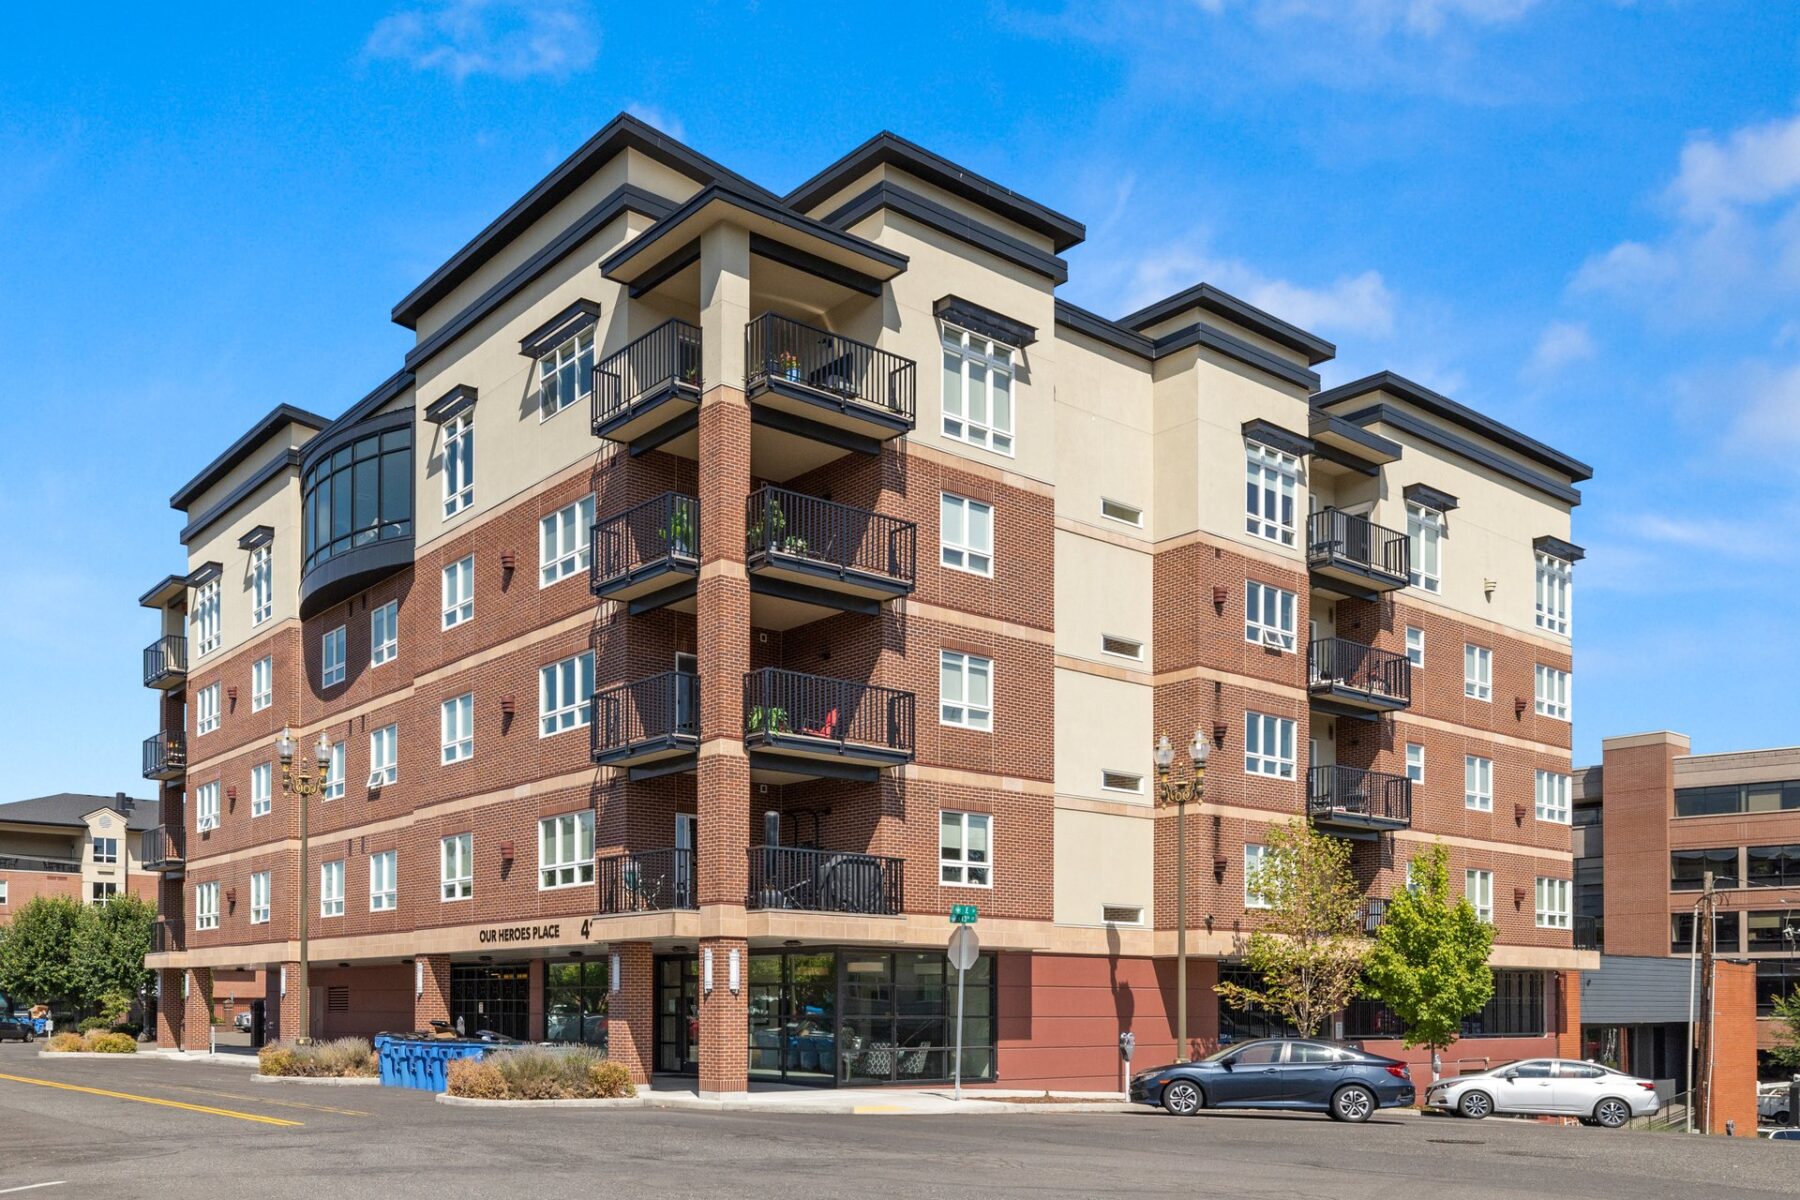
(678,1015)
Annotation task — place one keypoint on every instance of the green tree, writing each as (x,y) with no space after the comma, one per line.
(110,947)
(38,952)
(1430,962)
(1786,1051)
(1309,952)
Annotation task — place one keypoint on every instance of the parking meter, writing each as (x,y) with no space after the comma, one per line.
(1127,1043)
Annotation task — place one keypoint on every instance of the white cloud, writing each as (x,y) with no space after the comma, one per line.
(651,115)
(1422,18)
(1754,165)
(1561,344)
(1729,539)
(1350,304)
(1769,418)
(509,39)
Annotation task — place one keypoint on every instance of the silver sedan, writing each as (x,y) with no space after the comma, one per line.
(1594,1094)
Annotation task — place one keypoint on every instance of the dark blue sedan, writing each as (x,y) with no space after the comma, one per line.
(1330,1077)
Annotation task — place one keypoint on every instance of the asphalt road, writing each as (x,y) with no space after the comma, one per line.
(185,1130)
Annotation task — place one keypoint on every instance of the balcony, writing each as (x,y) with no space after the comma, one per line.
(1358,803)
(52,866)
(797,879)
(647,881)
(800,727)
(163,849)
(168,937)
(1374,912)
(165,756)
(648,556)
(1590,933)
(1354,556)
(1353,680)
(650,725)
(805,554)
(648,394)
(165,663)
(816,395)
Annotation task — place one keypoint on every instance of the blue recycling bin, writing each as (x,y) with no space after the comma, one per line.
(423,1063)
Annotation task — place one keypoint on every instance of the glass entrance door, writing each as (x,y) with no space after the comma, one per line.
(678,1016)
(793,1017)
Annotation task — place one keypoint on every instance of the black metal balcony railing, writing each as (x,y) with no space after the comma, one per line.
(779,351)
(1341,665)
(819,533)
(162,848)
(165,756)
(165,660)
(647,881)
(1341,539)
(1374,912)
(54,866)
(794,877)
(663,360)
(168,936)
(658,711)
(787,707)
(1350,795)
(646,539)
(1590,933)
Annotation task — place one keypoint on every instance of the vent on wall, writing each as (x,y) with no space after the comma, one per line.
(1121,781)
(337,999)
(1126,513)
(1121,914)
(1121,647)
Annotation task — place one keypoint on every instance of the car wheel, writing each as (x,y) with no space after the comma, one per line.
(1611,1113)
(1353,1103)
(1181,1098)
(1475,1105)
(1781,1118)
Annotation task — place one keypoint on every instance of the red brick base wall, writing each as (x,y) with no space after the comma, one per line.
(432,1001)
(196,1018)
(724,1019)
(1734,1050)
(631,1011)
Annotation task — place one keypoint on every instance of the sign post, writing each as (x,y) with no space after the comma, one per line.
(964,949)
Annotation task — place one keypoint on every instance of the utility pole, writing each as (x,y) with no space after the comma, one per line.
(1703,1034)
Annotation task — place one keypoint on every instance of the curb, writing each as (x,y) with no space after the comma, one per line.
(322,1080)
(82,1054)
(470,1102)
(199,1056)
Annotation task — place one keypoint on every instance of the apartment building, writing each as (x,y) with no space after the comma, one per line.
(86,848)
(730,583)
(1653,820)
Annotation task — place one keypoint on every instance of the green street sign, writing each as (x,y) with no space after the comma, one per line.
(962,914)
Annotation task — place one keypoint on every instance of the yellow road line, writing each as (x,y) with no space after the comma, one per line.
(342,1112)
(199,1108)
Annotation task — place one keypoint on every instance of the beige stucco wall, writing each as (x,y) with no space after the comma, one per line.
(1105,432)
(1101,859)
(277,505)
(1102,588)
(1102,724)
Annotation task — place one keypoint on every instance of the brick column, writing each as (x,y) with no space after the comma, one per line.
(1568,1014)
(631,1011)
(1639,802)
(724,1020)
(432,1002)
(196,1015)
(284,1008)
(169,1009)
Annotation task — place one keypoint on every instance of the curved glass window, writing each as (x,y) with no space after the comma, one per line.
(362,493)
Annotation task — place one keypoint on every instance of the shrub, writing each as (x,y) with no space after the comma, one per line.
(65,1043)
(93,1023)
(275,1059)
(344,1057)
(111,1043)
(129,1028)
(610,1081)
(533,1074)
(476,1079)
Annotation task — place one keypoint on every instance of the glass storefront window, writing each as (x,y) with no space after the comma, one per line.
(496,998)
(575,999)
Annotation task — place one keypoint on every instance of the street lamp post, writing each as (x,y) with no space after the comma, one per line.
(303,784)
(1179,792)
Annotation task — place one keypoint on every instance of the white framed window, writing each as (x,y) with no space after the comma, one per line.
(384,882)
(206,806)
(1415,762)
(459,464)
(204,621)
(333,788)
(1122,781)
(384,633)
(331,888)
(1478,886)
(457,721)
(566,694)
(563,541)
(259,897)
(331,657)
(965,849)
(566,375)
(106,850)
(566,850)
(384,755)
(1552,903)
(102,891)
(1425,530)
(1552,687)
(978,379)
(459,592)
(1124,514)
(262,789)
(1555,579)
(1552,789)
(206,906)
(1268,745)
(456,867)
(966,534)
(1478,672)
(1254,855)
(206,709)
(1478,783)
(262,683)
(965,690)
(1269,615)
(1122,647)
(1271,485)
(262,584)
(1415,645)
(3,893)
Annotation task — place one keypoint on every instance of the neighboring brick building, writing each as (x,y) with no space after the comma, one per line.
(901,564)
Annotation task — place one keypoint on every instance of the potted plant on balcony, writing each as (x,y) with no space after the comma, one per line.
(678,534)
(770,719)
(776,522)
(787,364)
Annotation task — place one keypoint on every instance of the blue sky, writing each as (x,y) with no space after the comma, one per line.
(1581,217)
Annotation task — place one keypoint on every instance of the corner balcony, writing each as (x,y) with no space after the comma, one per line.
(165,663)
(165,757)
(644,881)
(168,936)
(815,395)
(1355,557)
(650,726)
(648,556)
(1353,680)
(798,879)
(805,554)
(1356,803)
(647,396)
(800,727)
(163,849)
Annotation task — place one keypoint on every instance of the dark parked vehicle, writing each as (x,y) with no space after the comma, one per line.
(1345,1081)
(14,1029)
